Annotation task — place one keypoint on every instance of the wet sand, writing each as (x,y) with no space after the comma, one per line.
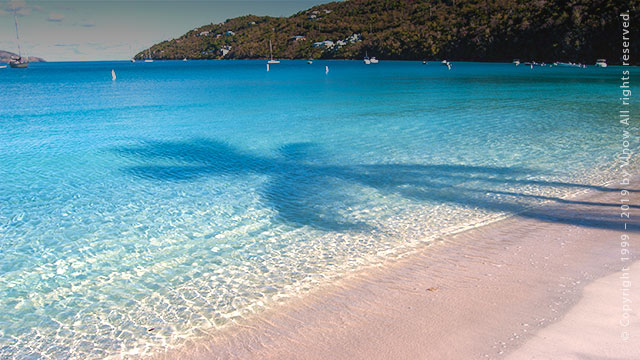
(522,288)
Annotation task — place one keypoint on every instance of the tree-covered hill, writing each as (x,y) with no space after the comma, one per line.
(477,30)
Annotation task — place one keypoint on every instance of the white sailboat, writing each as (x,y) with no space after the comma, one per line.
(367,61)
(20,62)
(271,61)
(149,59)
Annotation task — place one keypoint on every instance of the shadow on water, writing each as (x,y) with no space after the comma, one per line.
(305,192)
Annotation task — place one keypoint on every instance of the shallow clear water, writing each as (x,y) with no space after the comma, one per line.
(139,213)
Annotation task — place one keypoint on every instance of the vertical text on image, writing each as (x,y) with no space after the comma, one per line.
(625,158)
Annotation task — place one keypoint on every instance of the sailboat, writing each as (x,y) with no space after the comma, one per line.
(149,59)
(271,61)
(20,62)
(366,58)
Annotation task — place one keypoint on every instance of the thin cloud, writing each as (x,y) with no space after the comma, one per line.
(55,17)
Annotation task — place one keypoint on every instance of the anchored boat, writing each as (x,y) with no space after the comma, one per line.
(19,62)
(271,61)
(601,63)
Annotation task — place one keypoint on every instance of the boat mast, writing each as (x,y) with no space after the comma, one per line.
(15,21)
(270,51)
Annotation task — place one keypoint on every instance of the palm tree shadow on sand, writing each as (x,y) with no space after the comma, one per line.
(305,192)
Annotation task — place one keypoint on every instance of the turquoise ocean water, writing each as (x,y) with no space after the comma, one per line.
(140,213)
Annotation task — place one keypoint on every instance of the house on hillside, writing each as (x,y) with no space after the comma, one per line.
(229,33)
(354,38)
(298,38)
(326,44)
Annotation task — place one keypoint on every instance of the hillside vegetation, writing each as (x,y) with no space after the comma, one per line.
(474,30)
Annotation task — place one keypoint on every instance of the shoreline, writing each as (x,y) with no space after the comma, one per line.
(304,60)
(527,271)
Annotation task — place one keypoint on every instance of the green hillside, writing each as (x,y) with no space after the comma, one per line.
(475,30)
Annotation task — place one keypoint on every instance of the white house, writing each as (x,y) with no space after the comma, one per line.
(354,38)
(326,43)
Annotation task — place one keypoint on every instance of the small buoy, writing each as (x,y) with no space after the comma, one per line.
(113,75)
(449,66)
(326,69)
(267,67)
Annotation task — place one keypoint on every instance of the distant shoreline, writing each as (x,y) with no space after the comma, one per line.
(403,30)
(6,56)
(430,62)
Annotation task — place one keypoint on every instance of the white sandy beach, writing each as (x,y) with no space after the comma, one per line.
(593,329)
(541,285)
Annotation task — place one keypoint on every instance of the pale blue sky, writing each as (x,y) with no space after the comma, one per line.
(114,29)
